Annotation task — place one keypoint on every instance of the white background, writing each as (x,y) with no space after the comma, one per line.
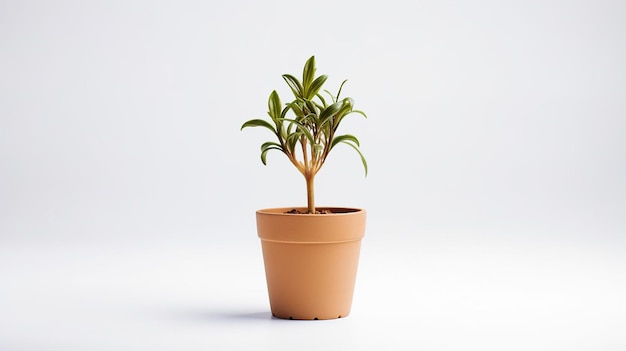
(496,195)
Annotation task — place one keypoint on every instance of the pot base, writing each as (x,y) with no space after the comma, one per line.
(308,319)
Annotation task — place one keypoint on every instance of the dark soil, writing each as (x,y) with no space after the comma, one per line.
(323,211)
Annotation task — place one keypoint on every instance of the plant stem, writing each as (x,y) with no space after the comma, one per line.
(310,193)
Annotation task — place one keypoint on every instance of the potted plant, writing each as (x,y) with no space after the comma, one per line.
(310,253)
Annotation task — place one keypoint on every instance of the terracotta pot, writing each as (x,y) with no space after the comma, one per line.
(311,261)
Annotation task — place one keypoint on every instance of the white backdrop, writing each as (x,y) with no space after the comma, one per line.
(489,123)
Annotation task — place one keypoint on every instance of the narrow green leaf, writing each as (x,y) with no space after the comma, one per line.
(359,112)
(258,123)
(318,105)
(271,144)
(346,107)
(308,74)
(292,140)
(360,154)
(295,107)
(344,138)
(311,107)
(264,154)
(324,104)
(302,129)
(306,133)
(329,112)
(274,105)
(315,87)
(341,116)
(332,97)
(294,84)
(294,122)
(341,87)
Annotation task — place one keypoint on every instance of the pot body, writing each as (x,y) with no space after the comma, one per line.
(311,261)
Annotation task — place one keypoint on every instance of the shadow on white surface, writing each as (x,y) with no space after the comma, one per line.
(219,317)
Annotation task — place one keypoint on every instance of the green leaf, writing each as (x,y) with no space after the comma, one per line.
(304,130)
(318,105)
(308,74)
(359,112)
(301,128)
(346,107)
(294,84)
(291,142)
(315,87)
(341,87)
(258,123)
(324,105)
(264,153)
(344,138)
(330,111)
(311,107)
(343,115)
(359,152)
(271,144)
(332,97)
(274,105)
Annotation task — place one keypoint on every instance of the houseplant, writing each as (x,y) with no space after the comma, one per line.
(310,254)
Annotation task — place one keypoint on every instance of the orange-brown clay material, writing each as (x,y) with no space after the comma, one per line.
(311,261)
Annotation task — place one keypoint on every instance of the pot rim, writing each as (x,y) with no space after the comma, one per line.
(335,211)
(273,224)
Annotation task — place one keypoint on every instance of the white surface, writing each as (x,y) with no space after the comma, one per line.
(435,295)
(497,184)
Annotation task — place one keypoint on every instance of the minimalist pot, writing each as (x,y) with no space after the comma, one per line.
(311,260)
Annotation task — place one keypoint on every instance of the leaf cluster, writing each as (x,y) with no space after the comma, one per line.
(306,127)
